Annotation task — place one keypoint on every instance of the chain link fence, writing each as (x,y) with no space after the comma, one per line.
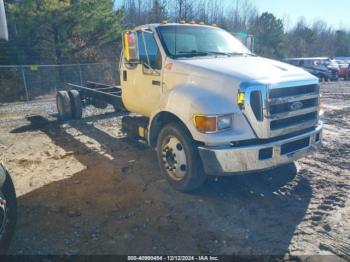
(29,82)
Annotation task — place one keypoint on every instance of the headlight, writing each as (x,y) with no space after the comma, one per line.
(224,122)
(209,124)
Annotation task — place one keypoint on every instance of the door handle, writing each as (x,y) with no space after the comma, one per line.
(155,83)
(125,75)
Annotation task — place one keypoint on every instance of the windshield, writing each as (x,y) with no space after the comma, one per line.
(190,41)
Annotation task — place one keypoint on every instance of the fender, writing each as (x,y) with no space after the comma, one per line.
(187,100)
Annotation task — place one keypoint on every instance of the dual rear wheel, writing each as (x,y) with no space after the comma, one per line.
(69,105)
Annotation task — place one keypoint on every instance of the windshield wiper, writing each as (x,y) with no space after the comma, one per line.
(203,53)
(219,53)
(231,53)
(206,53)
(193,53)
(241,54)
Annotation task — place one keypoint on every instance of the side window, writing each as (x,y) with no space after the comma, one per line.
(148,49)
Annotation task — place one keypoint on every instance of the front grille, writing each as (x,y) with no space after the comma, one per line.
(277,124)
(282,108)
(293,107)
(294,90)
(295,145)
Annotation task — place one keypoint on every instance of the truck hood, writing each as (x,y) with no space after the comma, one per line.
(248,68)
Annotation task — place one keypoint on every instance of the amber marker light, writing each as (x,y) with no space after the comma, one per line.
(205,124)
(240,99)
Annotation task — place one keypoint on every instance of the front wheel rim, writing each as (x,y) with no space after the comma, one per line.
(174,158)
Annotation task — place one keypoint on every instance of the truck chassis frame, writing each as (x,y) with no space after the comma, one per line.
(99,94)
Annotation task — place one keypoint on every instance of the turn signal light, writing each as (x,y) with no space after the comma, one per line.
(205,123)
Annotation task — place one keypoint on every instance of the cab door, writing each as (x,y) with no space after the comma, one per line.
(142,81)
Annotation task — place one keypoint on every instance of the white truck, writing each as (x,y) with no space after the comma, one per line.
(206,103)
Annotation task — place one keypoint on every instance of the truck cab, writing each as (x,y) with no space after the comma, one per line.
(212,106)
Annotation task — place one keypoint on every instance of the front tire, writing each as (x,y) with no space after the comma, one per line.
(179,159)
(8,211)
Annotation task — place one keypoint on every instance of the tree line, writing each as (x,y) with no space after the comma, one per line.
(82,31)
(273,36)
(61,31)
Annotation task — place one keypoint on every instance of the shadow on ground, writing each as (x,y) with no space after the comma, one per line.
(115,206)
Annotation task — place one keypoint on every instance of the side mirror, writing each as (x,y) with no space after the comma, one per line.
(3,23)
(130,48)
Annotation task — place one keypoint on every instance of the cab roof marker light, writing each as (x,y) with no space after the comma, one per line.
(201,23)
(182,22)
(164,21)
(193,22)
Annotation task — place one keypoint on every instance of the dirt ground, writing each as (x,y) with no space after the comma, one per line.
(83,188)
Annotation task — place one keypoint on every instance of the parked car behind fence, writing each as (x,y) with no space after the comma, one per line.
(322,67)
(344,71)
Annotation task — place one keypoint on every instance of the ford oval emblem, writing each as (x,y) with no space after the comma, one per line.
(296,105)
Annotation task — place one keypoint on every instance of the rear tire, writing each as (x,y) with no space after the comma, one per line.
(179,159)
(64,107)
(77,107)
(8,211)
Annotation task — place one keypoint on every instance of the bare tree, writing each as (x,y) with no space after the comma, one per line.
(302,39)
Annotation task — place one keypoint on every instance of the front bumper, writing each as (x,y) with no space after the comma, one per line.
(228,160)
